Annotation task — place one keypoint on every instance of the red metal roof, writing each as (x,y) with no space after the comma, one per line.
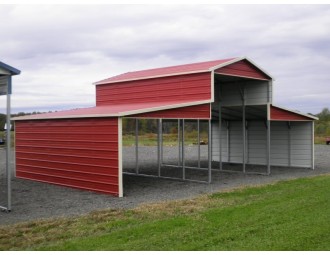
(282,114)
(111,111)
(169,71)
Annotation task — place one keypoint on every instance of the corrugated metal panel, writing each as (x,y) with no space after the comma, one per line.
(277,113)
(183,88)
(78,153)
(166,71)
(243,68)
(236,142)
(256,93)
(191,112)
(215,142)
(257,143)
(301,144)
(291,147)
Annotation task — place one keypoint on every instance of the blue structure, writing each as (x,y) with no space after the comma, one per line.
(6,73)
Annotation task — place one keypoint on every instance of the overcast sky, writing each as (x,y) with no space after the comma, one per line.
(62,50)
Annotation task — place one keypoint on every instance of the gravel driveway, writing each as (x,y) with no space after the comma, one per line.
(34,200)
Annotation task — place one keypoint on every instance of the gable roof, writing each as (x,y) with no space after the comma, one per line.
(9,69)
(200,67)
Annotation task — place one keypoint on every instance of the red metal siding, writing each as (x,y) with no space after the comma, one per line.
(281,114)
(78,153)
(243,68)
(181,88)
(189,112)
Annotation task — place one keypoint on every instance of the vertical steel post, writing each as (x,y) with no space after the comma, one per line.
(268,147)
(228,140)
(289,142)
(179,143)
(8,143)
(220,140)
(313,146)
(244,138)
(199,143)
(137,146)
(158,145)
(183,156)
(209,152)
(161,143)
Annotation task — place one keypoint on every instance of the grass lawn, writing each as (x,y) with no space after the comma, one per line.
(288,215)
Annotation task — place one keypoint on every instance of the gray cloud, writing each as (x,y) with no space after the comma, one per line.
(61,50)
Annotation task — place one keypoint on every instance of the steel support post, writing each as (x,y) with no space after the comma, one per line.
(158,146)
(179,144)
(220,140)
(268,147)
(183,156)
(199,143)
(209,152)
(289,142)
(244,138)
(8,143)
(136,146)
(228,141)
(313,146)
(161,143)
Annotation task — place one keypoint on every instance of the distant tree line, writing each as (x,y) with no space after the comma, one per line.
(3,118)
(322,126)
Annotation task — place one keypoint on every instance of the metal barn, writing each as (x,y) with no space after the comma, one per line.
(83,148)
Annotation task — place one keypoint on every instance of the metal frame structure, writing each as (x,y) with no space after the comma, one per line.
(181,152)
(8,72)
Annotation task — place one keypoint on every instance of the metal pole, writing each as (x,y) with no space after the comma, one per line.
(137,146)
(158,144)
(8,143)
(228,141)
(179,143)
(220,140)
(209,152)
(289,142)
(161,143)
(313,146)
(199,143)
(183,158)
(243,128)
(268,147)
(244,142)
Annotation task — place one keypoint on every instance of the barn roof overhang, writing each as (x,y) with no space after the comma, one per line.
(8,70)
(278,113)
(121,110)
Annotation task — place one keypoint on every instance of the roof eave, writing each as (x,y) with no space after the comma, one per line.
(296,112)
(12,70)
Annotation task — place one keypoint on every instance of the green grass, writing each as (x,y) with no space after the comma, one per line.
(288,215)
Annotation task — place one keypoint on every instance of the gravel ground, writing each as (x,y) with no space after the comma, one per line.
(34,200)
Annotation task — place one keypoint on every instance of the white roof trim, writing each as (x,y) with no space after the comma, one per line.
(295,112)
